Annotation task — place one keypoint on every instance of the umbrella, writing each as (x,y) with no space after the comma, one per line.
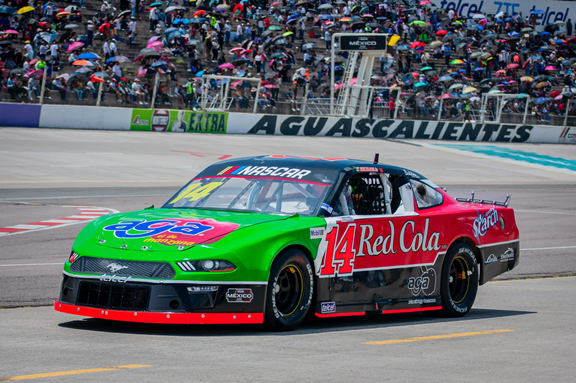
(71,26)
(62,14)
(4,9)
(226,66)
(10,31)
(82,62)
(278,56)
(181,21)
(550,67)
(469,89)
(325,6)
(23,10)
(420,84)
(88,56)
(274,28)
(435,44)
(155,44)
(156,4)
(456,62)
(158,64)
(542,100)
(512,66)
(74,46)
(170,30)
(285,34)
(527,79)
(308,46)
(456,86)
(178,8)
(426,68)
(541,85)
(103,75)
(65,76)
(478,16)
(239,62)
(418,23)
(120,59)
(445,78)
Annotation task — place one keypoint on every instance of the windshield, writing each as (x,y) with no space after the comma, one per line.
(255,194)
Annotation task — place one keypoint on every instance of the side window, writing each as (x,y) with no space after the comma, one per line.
(426,195)
(370,194)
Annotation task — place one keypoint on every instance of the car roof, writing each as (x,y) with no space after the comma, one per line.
(308,162)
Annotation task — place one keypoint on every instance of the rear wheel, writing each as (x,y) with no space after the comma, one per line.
(459,283)
(290,290)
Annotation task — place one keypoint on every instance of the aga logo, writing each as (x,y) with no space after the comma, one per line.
(424,284)
(491,259)
(508,255)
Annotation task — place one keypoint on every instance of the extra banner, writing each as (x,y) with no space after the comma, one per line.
(424,130)
(167,120)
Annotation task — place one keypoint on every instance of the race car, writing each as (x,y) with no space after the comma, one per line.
(273,238)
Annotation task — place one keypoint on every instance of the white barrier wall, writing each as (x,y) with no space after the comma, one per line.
(426,130)
(85,117)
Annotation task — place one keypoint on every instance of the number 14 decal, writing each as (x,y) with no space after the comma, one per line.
(340,252)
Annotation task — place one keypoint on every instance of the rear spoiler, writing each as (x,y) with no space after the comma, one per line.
(481,201)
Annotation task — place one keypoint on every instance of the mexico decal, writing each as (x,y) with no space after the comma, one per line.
(376,244)
(173,231)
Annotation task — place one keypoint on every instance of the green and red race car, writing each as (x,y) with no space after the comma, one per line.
(271,239)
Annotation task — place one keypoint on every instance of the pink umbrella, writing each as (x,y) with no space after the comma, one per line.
(74,46)
(155,44)
(425,2)
(271,86)
(482,22)
(550,67)
(36,72)
(234,84)
(141,72)
(11,31)
(152,39)
(559,97)
(226,65)
(512,66)
(446,95)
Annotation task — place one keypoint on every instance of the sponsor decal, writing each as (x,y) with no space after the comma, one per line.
(165,120)
(328,307)
(114,267)
(265,171)
(352,127)
(327,207)
(182,232)
(374,244)
(316,232)
(508,255)
(114,278)
(239,295)
(425,284)
(421,301)
(484,222)
(362,43)
(368,169)
(568,136)
(491,259)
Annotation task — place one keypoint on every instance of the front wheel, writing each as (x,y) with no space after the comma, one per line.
(290,291)
(459,283)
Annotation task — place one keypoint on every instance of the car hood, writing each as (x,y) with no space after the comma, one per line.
(172,229)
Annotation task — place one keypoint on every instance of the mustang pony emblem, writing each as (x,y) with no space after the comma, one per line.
(114,267)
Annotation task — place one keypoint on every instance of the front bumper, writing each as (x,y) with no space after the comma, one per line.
(184,302)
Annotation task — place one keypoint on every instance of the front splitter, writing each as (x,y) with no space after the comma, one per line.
(160,317)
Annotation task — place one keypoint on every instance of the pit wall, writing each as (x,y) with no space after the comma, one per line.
(166,120)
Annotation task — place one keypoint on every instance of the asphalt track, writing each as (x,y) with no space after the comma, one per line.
(44,172)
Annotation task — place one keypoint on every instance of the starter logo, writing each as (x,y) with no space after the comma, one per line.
(239,295)
(485,222)
(424,284)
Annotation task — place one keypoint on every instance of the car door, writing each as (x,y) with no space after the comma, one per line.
(374,241)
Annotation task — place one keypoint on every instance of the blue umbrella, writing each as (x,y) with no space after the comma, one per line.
(542,100)
(174,34)
(508,19)
(499,21)
(181,21)
(559,41)
(158,64)
(479,28)
(199,74)
(156,4)
(478,69)
(6,9)
(325,17)
(420,84)
(544,33)
(170,30)
(513,34)
(197,20)
(88,56)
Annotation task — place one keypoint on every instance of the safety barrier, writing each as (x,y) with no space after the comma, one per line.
(167,120)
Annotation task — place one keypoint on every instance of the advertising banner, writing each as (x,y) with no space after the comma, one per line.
(426,130)
(84,117)
(20,115)
(166,120)
(552,11)
(363,43)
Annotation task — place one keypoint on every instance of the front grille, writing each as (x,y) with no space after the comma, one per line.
(134,269)
(113,296)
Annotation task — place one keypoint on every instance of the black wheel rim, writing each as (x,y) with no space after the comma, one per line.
(459,279)
(288,290)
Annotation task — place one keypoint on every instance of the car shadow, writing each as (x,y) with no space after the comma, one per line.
(311,325)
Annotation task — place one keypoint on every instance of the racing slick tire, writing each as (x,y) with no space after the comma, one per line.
(289,292)
(459,282)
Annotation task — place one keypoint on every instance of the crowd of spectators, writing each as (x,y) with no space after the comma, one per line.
(441,64)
